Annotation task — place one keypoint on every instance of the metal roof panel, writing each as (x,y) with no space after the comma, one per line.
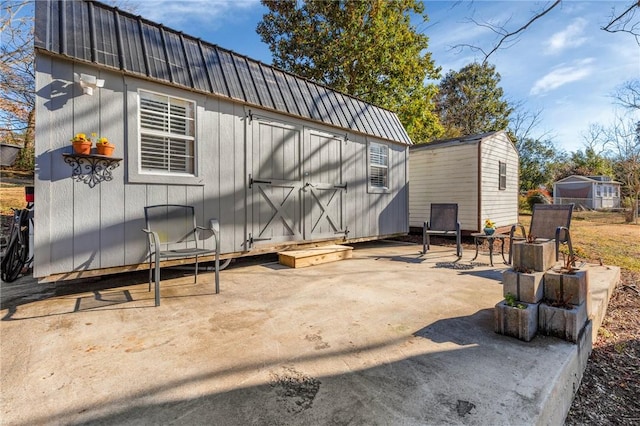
(214,69)
(132,52)
(154,46)
(230,74)
(287,93)
(92,32)
(177,60)
(260,83)
(197,66)
(273,87)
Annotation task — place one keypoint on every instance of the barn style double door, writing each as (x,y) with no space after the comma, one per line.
(296,185)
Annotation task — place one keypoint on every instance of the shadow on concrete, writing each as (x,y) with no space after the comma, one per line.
(418,389)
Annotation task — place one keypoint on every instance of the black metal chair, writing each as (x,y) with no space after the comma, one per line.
(548,222)
(443,221)
(172,233)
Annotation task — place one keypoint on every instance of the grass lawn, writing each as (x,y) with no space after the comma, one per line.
(603,236)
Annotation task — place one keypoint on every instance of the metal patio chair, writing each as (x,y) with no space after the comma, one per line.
(548,222)
(443,221)
(172,233)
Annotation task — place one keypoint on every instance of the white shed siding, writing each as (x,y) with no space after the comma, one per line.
(82,228)
(443,175)
(466,172)
(501,206)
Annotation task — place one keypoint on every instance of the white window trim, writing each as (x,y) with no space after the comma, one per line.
(378,189)
(502,176)
(134,160)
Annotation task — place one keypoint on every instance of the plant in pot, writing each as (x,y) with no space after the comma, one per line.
(81,144)
(489,227)
(510,300)
(515,318)
(104,147)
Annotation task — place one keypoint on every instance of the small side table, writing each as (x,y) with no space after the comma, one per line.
(480,237)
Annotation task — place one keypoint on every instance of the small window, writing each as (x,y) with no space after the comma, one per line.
(378,167)
(502,183)
(167,134)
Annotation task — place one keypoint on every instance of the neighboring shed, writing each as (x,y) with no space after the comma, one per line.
(277,159)
(588,192)
(478,172)
(8,154)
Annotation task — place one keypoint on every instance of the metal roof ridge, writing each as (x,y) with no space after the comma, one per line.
(232,52)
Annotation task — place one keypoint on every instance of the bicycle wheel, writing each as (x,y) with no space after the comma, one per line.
(17,251)
(13,261)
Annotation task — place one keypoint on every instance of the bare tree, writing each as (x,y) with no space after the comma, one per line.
(627,95)
(627,21)
(17,78)
(522,122)
(623,139)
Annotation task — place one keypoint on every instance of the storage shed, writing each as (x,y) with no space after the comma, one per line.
(278,160)
(479,172)
(587,192)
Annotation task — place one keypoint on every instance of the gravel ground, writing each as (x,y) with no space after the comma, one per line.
(610,390)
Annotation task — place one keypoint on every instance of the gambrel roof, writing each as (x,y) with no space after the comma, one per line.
(91,32)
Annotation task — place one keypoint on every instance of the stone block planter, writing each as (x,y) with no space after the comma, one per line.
(570,288)
(526,287)
(562,322)
(536,257)
(516,322)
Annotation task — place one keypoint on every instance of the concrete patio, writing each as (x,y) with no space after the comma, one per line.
(388,337)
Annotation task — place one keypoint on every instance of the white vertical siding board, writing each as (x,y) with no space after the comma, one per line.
(227,180)
(112,210)
(211,159)
(86,200)
(359,186)
(60,185)
(42,193)
(157,194)
(239,173)
(135,195)
(177,194)
(135,241)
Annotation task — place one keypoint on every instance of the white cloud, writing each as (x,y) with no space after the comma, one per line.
(567,38)
(175,13)
(560,76)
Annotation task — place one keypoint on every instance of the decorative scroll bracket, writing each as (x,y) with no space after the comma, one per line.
(91,169)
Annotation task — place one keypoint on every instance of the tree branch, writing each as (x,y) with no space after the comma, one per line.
(616,24)
(507,36)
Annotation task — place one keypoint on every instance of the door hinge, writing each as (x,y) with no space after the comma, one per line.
(252,181)
(252,240)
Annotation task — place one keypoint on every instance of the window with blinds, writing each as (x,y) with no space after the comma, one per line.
(378,166)
(167,134)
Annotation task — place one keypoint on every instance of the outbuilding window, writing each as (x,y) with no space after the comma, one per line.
(167,134)
(378,167)
(502,178)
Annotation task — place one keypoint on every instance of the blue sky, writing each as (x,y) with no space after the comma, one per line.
(564,65)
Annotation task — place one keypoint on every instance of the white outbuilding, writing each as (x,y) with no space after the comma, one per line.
(479,172)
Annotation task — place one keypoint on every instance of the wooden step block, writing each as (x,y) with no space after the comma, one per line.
(314,256)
